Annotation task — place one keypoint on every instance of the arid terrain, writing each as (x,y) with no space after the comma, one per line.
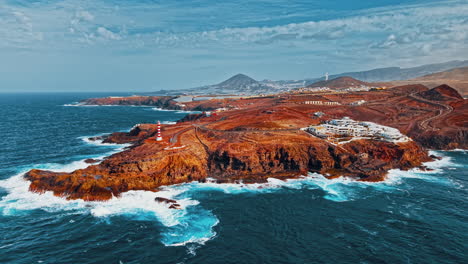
(252,139)
(456,78)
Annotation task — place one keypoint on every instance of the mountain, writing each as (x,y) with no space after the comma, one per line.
(388,74)
(397,73)
(237,84)
(238,81)
(243,84)
(441,93)
(340,83)
(457,74)
(408,89)
(456,78)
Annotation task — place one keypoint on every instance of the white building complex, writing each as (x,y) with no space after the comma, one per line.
(351,128)
(321,103)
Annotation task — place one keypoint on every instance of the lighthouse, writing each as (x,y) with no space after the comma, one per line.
(326,76)
(159,137)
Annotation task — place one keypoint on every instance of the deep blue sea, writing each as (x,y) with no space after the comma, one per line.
(414,217)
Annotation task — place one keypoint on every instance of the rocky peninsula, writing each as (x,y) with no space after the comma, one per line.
(252,139)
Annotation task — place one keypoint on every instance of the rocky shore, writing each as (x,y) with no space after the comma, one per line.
(262,138)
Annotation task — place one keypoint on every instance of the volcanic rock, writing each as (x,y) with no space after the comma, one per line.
(441,93)
(91,161)
(262,138)
(172,203)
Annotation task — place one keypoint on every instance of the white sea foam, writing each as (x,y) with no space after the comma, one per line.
(100,142)
(96,105)
(462,151)
(176,111)
(339,189)
(188,112)
(165,110)
(79,105)
(193,224)
(168,122)
(432,175)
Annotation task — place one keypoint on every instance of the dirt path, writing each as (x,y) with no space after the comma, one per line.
(445,110)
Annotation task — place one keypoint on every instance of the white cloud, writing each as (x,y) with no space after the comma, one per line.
(84,15)
(392,35)
(107,34)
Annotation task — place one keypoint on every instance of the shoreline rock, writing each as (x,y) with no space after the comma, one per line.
(173,204)
(262,138)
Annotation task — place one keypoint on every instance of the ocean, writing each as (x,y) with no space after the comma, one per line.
(413,217)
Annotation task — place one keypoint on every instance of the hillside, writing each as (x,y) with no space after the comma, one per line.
(264,137)
(456,78)
(397,73)
(340,83)
(243,84)
(408,89)
(238,81)
(441,93)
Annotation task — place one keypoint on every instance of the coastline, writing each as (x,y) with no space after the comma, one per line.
(140,205)
(249,140)
(252,178)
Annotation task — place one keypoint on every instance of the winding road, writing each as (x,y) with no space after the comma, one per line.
(445,110)
(424,124)
(175,138)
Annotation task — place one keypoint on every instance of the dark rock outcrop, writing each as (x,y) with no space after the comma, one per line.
(172,203)
(441,93)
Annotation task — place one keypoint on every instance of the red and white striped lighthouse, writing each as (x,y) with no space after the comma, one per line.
(159,137)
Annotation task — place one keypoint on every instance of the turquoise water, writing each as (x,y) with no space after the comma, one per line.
(414,217)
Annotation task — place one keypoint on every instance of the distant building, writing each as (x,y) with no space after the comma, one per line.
(319,114)
(360,102)
(322,103)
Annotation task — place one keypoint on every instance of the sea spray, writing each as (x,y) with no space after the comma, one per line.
(193,224)
(177,111)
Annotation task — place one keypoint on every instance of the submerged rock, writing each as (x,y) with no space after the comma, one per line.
(172,203)
(90,161)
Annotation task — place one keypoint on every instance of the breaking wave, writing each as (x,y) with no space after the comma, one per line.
(168,122)
(193,224)
(176,111)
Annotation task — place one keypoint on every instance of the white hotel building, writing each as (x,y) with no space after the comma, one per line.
(349,127)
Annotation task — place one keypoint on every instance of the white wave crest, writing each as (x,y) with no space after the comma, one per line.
(100,142)
(168,122)
(176,111)
(193,224)
(433,174)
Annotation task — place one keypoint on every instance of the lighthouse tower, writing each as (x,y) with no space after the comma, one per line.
(326,76)
(159,137)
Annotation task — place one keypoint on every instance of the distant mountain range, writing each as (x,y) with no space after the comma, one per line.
(457,74)
(456,78)
(397,73)
(339,83)
(243,84)
(239,83)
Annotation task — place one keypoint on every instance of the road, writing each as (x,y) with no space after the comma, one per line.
(423,124)
(244,131)
(445,110)
(175,138)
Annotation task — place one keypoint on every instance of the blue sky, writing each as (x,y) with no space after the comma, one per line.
(135,45)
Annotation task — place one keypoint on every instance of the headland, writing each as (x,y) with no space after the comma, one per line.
(252,138)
